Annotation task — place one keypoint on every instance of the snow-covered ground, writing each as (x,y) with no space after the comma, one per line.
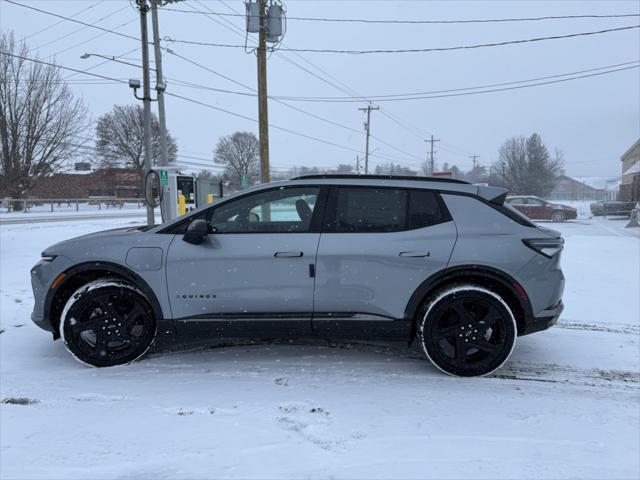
(567,404)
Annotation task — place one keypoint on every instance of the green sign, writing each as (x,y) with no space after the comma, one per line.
(164,178)
(244,180)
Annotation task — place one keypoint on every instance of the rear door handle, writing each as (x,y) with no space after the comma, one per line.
(288,254)
(416,253)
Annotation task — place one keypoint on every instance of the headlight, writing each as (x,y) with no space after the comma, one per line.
(46,257)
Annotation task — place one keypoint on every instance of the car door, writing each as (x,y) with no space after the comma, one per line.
(377,246)
(537,209)
(252,274)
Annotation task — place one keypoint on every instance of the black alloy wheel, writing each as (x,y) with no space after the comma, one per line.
(467,331)
(108,324)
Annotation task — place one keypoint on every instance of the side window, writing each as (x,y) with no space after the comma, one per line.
(424,209)
(273,211)
(370,209)
(515,201)
(535,201)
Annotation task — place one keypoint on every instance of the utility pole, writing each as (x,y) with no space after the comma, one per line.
(432,141)
(168,208)
(358,164)
(367,126)
(263,114)
(146,99)
(474,159)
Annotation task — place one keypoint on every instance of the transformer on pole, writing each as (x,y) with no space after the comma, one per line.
(267,21)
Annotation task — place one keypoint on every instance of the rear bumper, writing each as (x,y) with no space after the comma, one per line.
(546,319)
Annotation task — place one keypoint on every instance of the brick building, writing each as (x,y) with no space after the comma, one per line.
(102,183)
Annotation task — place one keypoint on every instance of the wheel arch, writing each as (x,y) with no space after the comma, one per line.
(491,278)
(79,275)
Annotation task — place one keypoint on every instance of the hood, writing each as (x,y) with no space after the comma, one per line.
(113,232)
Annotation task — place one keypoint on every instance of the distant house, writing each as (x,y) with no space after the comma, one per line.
(630,186)
(585,188)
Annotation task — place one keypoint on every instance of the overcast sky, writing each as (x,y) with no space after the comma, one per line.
(592,120)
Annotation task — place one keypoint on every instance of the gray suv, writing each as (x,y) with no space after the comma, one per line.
(432,260)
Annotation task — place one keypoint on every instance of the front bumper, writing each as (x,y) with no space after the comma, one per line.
(42,322)
(42,275)
(546,319)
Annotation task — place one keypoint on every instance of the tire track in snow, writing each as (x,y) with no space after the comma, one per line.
(551,373)
(622,328)
(568,375)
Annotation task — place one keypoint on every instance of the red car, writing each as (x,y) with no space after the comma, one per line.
(537,209)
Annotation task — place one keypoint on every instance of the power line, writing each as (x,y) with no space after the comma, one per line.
(73,32)
(84,42)
(419,22)
(62,21)
(97,75)
(416,50)
(134,38)
(331,122)
(229,112)
(124,35)
(414,95)
(100,64)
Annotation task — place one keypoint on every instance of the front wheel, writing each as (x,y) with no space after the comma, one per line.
(467,330)
(107,322)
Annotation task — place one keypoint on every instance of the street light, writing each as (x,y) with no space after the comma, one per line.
(84,56)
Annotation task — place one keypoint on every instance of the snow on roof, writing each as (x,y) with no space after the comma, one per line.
(600,183)
(635,168)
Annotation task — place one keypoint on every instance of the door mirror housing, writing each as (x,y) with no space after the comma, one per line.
(197,232)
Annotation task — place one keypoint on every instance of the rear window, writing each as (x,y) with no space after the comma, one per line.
(366,209)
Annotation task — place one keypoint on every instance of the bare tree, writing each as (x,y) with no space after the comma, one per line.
(39,119)
(526,167)
(239,153)
(393,169)
(512,165)
(120,138)
(344,168)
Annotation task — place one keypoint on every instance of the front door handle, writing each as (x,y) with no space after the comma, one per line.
(416,253)
(288,254)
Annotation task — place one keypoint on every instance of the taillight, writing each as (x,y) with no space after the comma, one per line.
(545,246)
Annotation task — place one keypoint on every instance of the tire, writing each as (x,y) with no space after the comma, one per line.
(107,322)
(558,216)
(467,330)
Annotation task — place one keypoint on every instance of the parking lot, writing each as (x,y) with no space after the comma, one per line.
(564,405)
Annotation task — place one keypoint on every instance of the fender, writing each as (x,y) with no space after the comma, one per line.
(466,273)
(107,267)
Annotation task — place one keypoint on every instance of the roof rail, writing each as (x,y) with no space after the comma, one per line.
(329,176)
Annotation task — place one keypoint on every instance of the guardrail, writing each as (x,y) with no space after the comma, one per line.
(28,205)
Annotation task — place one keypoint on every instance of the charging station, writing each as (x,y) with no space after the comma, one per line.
(183,193)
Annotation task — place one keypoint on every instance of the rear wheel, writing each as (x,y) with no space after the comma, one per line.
(558,216)
(107,322)
(467,330)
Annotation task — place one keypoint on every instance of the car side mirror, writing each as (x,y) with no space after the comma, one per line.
(197,232)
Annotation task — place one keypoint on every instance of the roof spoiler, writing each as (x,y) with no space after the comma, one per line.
(495,195)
